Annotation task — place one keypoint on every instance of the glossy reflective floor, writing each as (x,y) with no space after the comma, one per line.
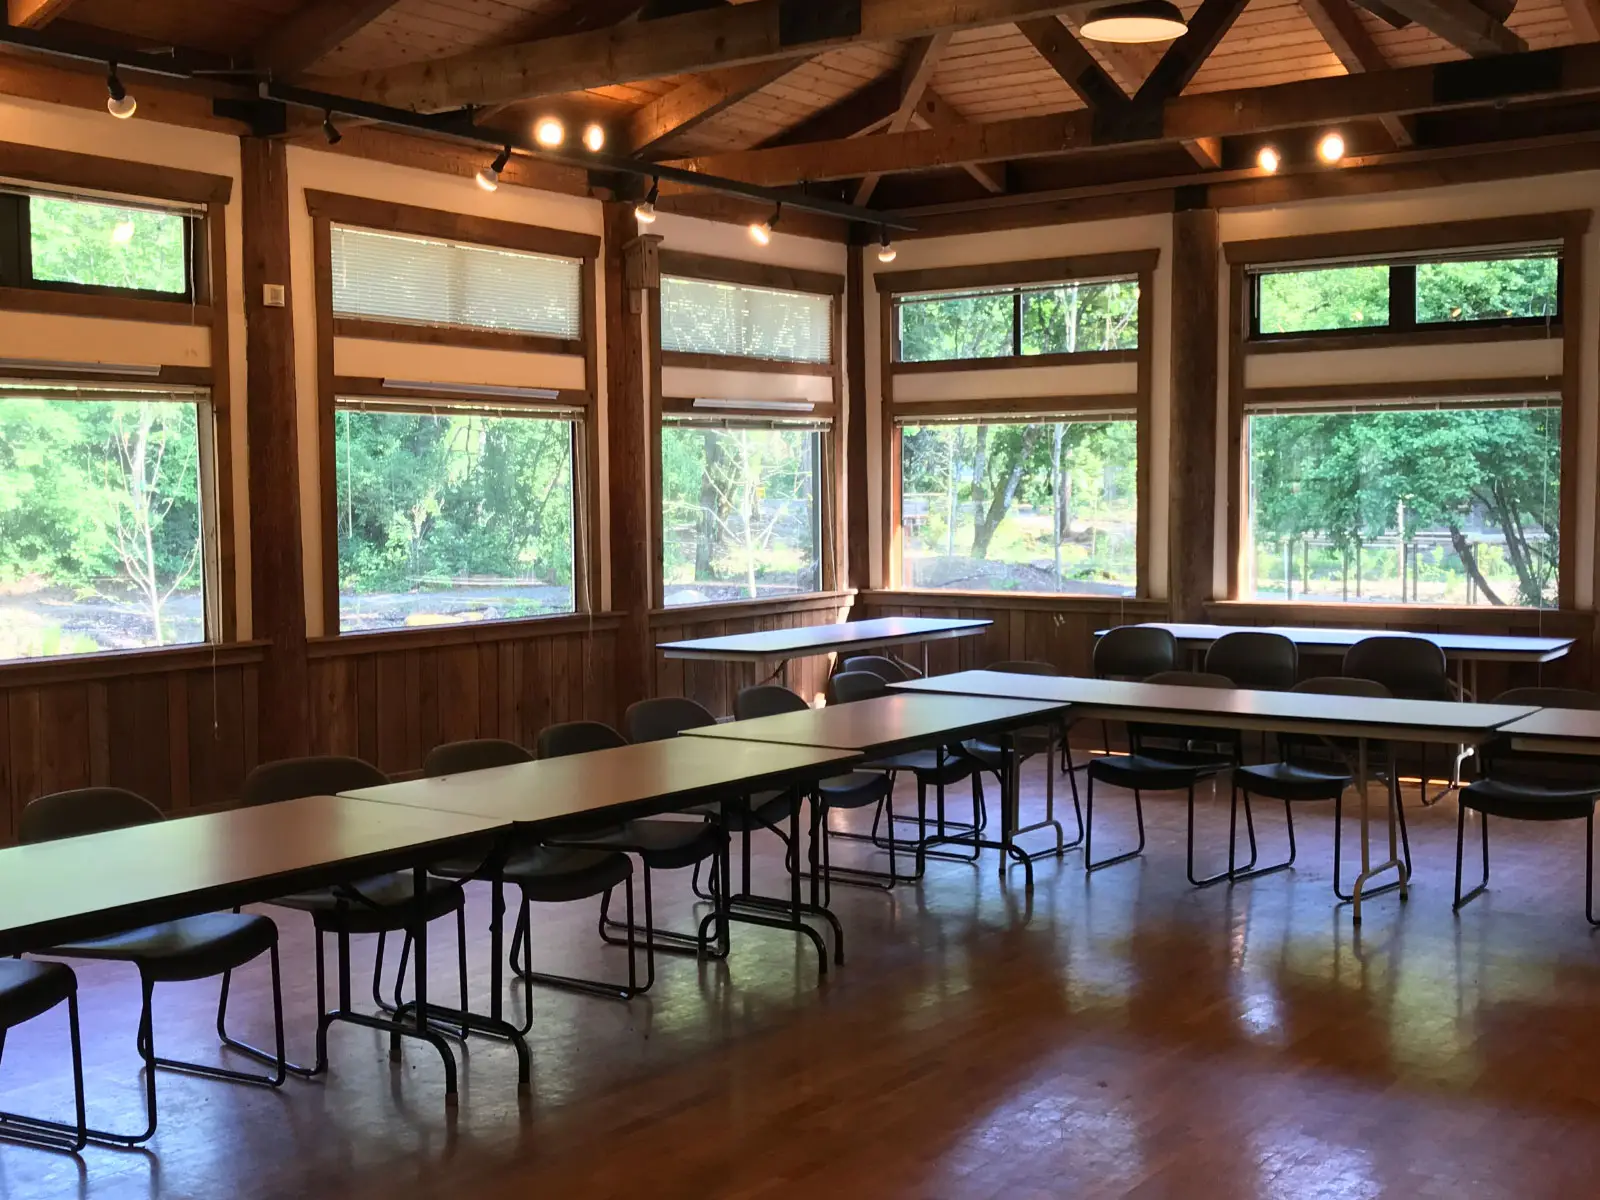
(1123,1035)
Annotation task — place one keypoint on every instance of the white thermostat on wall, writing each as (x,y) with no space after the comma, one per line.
(272,295)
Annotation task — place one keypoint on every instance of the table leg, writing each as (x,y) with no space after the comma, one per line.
(1368,870)
(424,1029)
(924,660)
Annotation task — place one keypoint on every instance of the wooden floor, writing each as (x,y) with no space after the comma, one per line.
(1122,1035)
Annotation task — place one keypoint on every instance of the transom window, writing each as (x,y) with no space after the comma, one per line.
(1077,317)
(103,247)
(1521,287)
(703,316)
(1037,505)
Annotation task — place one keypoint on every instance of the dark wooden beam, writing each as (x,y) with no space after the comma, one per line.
(1184,57)
(922,56)
(1585,18)
(315,29)
(277,562)
(857,522)
(697,101)
(1192,477)
(863,109)
(692,42)
(934,113)
(1341,27)
(1070,60)
(1464,24)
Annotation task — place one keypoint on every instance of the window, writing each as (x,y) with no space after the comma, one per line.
(103,518)
(425,281)
(701,316)
(1388,505)
(1049,506)
(449,514)
(62,243)
(1509,289)
(740,518)
(1065,318)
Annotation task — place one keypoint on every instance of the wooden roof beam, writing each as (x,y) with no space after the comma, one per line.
(1585,18)
(1183,58)
(316,29)
(1073,62)
(935,113)
(35,14)
(922,56)
(689,43)
(697,101)
(1462,23)
(1341,27)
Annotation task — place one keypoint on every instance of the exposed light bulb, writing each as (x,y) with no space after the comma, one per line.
(118,103)
(122,233)
(594,137)
(1268,159)
(645,210)
(886,251)
(549,132)
(489,177)
(330,130)
(1331,148)
(761,232)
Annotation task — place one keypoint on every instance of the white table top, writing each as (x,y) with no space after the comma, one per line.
(1484,647)
(773,644)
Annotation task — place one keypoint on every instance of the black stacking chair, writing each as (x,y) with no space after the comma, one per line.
(855,789)
(380,904)
(1315,769)
(660,843)
(1522,786)
(1162,759)
(1412,668)
(172,952)
(1029,743)
(1130,653)
(543,875)
(27,990)
(890,670)
(1255,659)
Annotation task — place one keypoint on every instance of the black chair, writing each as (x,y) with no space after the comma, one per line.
(890,670)
(1412,668)
(172,952)
(1255,659)
(1524,786)
(1030,743)
(542,875)
(1315,769)
(27,990)
(380,904)
(660,843)
(1131,653)
(1161,759)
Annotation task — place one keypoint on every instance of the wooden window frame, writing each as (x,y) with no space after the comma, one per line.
(830,498)
(1567,229)
(330,208)
(1139,264)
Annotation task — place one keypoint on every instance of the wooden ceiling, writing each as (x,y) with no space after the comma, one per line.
(1024,62)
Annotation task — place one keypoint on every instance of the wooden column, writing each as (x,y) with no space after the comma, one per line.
(859,550)
(632,288)
(1192,478)
(277,566)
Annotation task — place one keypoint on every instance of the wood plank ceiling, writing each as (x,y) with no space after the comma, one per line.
(1033,67)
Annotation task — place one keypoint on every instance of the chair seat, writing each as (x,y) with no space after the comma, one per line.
(1145,772)
(29,988)
(663,844)
(189,948)
(1285,781)
(1526,802)
(1029,742)
(855,790)
(924,764)
(555,874)
(386,903)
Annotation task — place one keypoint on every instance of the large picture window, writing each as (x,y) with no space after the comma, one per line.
(1059,318)
(1447,505)
(63,243)
(104,500)
(1041,506)
(452,513)
(706,316)
(740,517)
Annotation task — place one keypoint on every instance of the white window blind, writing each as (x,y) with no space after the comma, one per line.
(702,317)
(422,281)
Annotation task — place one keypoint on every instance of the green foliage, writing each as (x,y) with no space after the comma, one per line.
(1325,298)
(704,317)
(1065,318)
(77,241)
(1488,290)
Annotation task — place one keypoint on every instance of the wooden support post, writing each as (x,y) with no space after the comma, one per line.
(277,557)
(1192,481)
(859,553)
(632,291)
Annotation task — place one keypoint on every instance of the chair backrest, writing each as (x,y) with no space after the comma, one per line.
(1203,679)
(1412,668)
(1310,750)
(1254,658)
(1343,685)
(577,737)
(84,810)
(766,700)
(321,775)
(1134,652)
(849,686)
(889,670)
(662,717)
(1023,667)
(1550,697)
(1146,737)
(475,754)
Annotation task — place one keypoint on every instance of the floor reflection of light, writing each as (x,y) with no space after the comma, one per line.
(1297,1166)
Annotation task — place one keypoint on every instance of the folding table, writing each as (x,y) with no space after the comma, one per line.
(780,645)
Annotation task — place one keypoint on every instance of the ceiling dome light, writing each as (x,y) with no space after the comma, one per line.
(1331,148)
(1139,21)
(594,137)
(118,103)
(489,177)
(645,211)
(549,132)
(761,231)
(886,251)
(1268,159)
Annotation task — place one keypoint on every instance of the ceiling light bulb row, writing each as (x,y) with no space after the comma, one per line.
(761,231)
(118,103)
(1330,152)
(551,133)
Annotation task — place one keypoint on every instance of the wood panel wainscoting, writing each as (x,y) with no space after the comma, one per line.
(391,697)
(177,726)
(716,684)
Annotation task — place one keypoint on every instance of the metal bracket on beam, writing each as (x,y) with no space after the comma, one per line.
(266,118)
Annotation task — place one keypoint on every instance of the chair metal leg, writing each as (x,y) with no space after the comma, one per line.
(44,1134)
(1588,872)
(1461,836)
(668,940)
(1208,880)
(1250,870)
(589,987)
(1089,863)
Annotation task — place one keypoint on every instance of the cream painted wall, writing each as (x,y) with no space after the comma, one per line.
(1015,245)
(68,339)
(1408,364)
(1553,193)
(1101,379)
(691,383)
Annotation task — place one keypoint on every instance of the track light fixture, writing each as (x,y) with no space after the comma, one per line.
(489,177)
(118,103)
(761,231)
(886,251)
(645,210)
(330,130)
